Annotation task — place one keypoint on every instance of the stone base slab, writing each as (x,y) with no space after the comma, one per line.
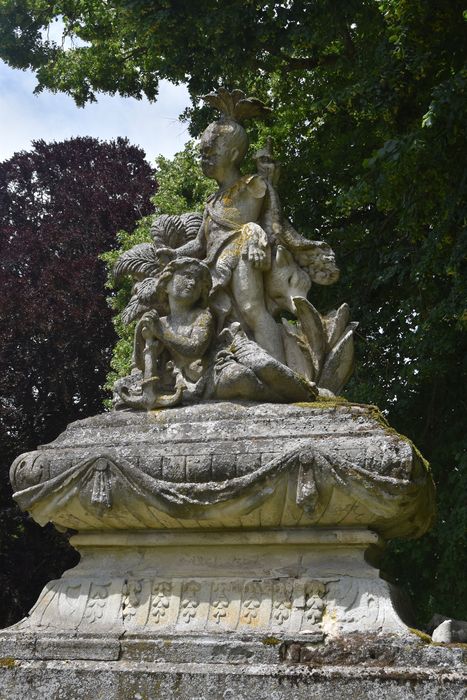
(120,680)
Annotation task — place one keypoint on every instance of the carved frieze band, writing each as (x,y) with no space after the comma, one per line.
(284,605)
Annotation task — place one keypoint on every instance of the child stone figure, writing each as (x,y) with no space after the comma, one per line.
(181,343)
(180,339)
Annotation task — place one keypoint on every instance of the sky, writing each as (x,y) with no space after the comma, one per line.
(55,117)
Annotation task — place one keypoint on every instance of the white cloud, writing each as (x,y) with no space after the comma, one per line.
(25,117)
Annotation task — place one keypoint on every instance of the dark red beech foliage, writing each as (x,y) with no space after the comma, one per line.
(61,205)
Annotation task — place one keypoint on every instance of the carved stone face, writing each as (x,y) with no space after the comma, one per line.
(215,154)
(222,145)
(185,285)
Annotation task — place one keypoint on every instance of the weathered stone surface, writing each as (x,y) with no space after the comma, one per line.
(229,465)
(225,545)
(205,668)
(210,291)
(127,680)
(311,584)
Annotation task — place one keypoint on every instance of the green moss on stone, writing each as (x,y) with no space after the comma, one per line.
(323,402)
(422,635)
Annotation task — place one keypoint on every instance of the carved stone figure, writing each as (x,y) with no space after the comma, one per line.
(258,265)
(178,340)
(172,351)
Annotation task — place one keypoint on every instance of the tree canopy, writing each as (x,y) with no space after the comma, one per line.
(61,205)
(127,46)
(370,107)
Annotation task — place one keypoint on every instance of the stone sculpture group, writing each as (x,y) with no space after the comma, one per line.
(211,290)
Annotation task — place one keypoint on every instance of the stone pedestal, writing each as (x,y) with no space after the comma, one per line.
(229,466)
(228,550)
(304,584)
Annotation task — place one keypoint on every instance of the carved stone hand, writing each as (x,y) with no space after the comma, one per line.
(257,246)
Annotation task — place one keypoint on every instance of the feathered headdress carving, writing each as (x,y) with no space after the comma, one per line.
(236,105)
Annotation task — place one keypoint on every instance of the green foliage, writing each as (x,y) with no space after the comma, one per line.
(127,46)
(181,188)
(370,112)
(118,298)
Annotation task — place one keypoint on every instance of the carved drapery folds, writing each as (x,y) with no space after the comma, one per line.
(192,471)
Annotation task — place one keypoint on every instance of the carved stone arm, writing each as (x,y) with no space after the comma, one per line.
(193,344)
(195,248)
(271,213)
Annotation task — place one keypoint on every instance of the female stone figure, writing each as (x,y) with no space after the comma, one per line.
(231,239)
(243,225)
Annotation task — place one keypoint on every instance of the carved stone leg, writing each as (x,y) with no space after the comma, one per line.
(248,290)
